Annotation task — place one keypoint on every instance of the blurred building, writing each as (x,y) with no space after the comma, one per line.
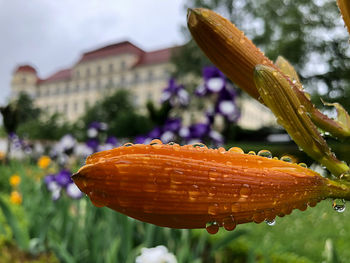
(98,72)
(70,91)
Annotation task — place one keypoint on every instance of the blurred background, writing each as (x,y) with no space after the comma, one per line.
(85,76)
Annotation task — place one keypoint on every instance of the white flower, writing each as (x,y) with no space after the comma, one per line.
(157,254)
(215,84)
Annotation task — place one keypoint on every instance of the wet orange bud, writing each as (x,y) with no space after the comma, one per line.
(188,187)
(227,47)
(344,6)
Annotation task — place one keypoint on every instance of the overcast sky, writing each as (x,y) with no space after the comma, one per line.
(51,35)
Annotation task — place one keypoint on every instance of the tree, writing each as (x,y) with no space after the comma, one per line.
(310,34)
(119,112)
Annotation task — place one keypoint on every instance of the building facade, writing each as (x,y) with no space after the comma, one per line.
(98,72)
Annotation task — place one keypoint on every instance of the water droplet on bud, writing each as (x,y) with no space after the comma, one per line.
(287,159)
(155,141)
(265,153)
(212,227)
(339,205)
(270,222)
(229,223)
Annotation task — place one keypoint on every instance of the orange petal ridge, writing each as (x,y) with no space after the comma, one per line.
(190,186)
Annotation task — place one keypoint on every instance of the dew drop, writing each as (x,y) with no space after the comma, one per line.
(339,205)
(303,165)
(251,153)
(213,209)
(301,110)
(222,150)
(287,159)
(212,191)
(212,227)
(270,222)
(229,223)
(199,145)
(155,141)
(128,144)
(95,201)
(245,191)
(236,150)
(265,153)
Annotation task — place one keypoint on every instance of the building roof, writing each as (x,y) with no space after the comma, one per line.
(144,58)
(112,50)
(64,74)
(157,56)
(25,68)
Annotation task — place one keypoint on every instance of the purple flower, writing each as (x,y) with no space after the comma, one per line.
(226,106)
(155,133)
(112,140)
(199,130)
(49,179)
(214,81)
(175,94)
(95,127)
(93,144)
(172,125)
(63,178)
(73,191)
(140,139)
(56,183)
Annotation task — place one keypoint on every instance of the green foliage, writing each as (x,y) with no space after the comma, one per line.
(119,112)
(49,128)
(160,115)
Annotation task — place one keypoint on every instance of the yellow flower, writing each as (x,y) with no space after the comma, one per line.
(15,180)
(44,161)
(16,198)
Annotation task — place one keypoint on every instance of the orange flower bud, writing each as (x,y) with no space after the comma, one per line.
(344,7)
(191,186)
(227,47)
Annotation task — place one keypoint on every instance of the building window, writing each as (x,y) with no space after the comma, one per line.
(57,90)
(24,80)
(136,78)
(122,81)
(76,106)
(77,88)
(99,70)
(122,65)
(166,74)
(150,76)
(110,83)
(38,93)
(87,87)
(88,72)
(78,74)
(66,90)
(99,84)
(111,67)
(149,96)
(47,91)
(65,108)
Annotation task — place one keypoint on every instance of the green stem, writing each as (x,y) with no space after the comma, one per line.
(338,189)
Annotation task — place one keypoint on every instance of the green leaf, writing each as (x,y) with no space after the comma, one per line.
(20,234)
